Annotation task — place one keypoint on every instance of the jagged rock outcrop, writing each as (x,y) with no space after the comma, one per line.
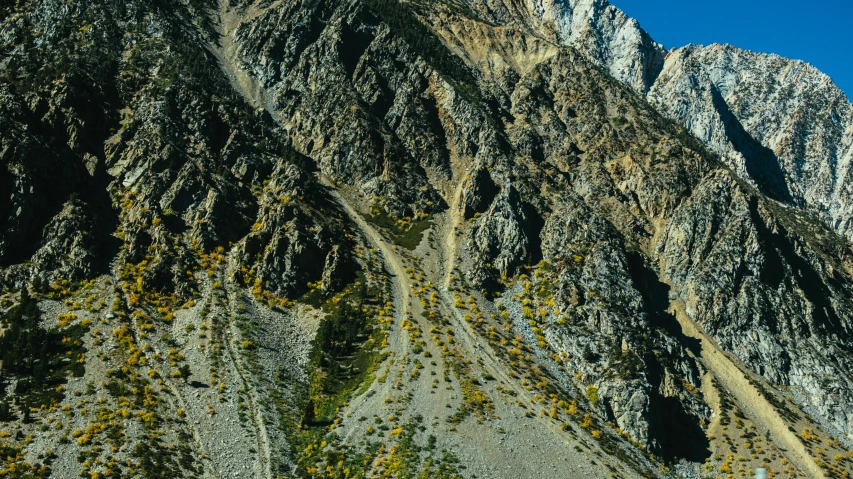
(600,31)
(631,357)
(165,165)
(780,124)
(295,241)
(68,246)
(479,193)
(45,128)
(764,291)
(353,96)
(498,239)
(782,127)
(606,36)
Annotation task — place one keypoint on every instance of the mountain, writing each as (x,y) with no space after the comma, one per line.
(365,238)
(780,124)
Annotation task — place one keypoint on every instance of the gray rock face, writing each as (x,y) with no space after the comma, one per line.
(479,193)
(606,36)
(595,289)
(742,265)
(630,357)
(780,124)
(292,243)
(498,239)
(755,284)
(67,246)
(107,162)
(602,32)
(352,96)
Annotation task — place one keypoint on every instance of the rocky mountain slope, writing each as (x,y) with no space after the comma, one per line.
(780,124)
(363,238)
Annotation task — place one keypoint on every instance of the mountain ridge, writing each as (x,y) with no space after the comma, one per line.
(815,170)
(346,238)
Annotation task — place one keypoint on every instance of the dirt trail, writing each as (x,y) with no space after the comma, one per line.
(454,217)
(401,293)
(226,52)
(261,434)
(392,259)
(753,403)
(176,393)
(469,341)
(469,338)
(448,259)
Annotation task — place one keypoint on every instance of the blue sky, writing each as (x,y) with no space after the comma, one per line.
(820,33)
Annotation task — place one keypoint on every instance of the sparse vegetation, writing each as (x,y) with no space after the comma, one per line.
(41,360)
(406,232)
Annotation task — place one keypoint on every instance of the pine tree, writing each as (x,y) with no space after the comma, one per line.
(309,414)
(25,341)
(38,285)
(185,372)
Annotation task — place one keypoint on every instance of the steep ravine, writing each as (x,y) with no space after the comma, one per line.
(543,434)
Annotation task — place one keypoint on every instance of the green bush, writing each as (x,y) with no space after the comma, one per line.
(35,355)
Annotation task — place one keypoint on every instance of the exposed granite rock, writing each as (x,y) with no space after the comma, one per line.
(630,356)
(140,135)
(479,193)
(606,36)
(67,245)
(749,276)
(352,96)
(781,124)
(294,242)
(498,240)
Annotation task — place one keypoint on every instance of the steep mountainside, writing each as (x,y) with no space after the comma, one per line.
(780,124)
(364,238)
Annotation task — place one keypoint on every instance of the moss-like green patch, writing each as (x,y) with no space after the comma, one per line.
(406,232)
(40,359)
(346,351)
